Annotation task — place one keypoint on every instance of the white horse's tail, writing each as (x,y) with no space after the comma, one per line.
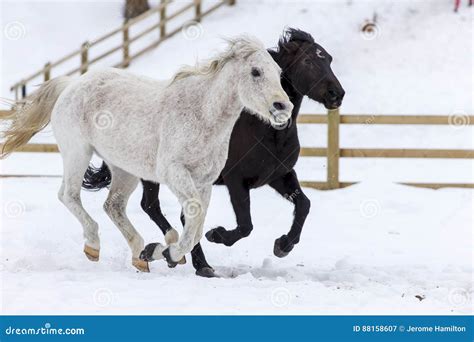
(31,117)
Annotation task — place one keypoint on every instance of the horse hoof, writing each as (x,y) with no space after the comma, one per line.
(91,253)
(147,253)
(282,247)
(182,261)
(216,235)
(167,256)
(206,272)
(141,265)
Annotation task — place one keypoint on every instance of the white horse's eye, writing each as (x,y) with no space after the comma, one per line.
(318,53)
(256,72)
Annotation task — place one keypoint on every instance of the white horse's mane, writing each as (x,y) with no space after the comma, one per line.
(242,46)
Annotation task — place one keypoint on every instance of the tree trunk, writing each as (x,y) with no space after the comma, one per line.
(134,8)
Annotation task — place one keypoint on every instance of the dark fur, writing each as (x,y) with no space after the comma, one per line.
(258,153)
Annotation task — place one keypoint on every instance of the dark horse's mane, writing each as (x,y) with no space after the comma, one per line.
(291,35)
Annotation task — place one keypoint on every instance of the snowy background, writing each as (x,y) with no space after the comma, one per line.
(374,248)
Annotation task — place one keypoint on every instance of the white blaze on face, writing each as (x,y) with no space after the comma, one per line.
(319,54)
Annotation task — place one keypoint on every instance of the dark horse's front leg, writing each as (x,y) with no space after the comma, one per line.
(289,187)
(151,205)
(240,198)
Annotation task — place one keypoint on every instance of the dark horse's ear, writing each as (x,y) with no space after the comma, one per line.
(292,38)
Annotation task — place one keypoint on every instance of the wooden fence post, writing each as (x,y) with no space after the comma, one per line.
(126,49)
(162,19)
(333,149)
(84,57)
(197,6)
(47,71)
(23,90)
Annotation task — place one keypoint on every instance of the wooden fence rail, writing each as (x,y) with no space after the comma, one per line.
(333,152)
(83,53)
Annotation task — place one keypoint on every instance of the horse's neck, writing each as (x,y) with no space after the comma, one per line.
(221,101)
(295,96)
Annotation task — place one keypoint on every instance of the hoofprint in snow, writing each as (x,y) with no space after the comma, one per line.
(374,248)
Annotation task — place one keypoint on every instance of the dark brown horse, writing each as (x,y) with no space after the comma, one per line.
(259,154)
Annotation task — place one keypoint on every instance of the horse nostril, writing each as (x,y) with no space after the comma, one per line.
(332,95)
(279,105)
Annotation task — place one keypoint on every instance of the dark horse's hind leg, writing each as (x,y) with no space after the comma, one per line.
(240,198)
(200,264)
(151,205)
(289,187)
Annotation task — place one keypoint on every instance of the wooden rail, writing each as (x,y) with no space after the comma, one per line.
(83,53)
(333,152)
(366,119)
(387,153)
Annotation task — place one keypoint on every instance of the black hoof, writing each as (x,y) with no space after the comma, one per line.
(166,254)
(147,253)
(206,272)
(216,235)
(282,246)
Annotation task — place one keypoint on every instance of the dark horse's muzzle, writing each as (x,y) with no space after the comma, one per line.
(334,96)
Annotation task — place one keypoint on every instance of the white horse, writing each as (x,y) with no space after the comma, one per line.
(174,132)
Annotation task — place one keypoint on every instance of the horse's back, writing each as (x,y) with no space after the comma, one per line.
(112,111)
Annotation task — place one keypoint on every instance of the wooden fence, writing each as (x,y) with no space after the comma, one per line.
(82,54)
(333,152)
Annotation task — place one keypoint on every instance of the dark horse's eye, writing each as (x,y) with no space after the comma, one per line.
(256,72)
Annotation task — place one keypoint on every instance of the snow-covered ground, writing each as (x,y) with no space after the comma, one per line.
(367,249)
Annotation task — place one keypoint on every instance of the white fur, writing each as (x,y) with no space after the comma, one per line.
(175,132)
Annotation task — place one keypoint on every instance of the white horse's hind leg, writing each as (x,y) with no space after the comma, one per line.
(123,184)
(75,163)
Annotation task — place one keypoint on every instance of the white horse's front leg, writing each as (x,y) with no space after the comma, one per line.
(194,202)
(194,211)
(206,197)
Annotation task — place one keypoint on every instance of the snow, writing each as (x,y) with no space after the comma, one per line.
(367,249)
